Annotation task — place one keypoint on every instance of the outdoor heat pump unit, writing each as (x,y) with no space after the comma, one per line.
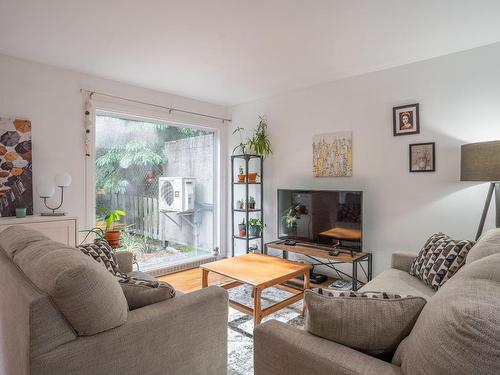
(176,194)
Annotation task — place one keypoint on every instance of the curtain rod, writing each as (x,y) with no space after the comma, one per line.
(170,109)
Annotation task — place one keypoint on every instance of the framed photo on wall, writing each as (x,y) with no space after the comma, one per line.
(423,157)
(406,120)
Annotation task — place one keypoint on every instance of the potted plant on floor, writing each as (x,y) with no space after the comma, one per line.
(242,228)
(111,233)
(255,227)
(251,203)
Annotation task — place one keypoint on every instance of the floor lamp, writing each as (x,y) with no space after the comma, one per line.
(481,162)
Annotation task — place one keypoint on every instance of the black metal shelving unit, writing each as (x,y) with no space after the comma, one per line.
(248,188)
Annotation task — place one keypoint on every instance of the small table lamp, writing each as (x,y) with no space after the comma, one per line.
(62,181)
(481,162)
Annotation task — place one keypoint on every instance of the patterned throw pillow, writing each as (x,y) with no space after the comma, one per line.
(102,253)
(418,262)
(138,292)
(440,258)
(372,322)
(351,294)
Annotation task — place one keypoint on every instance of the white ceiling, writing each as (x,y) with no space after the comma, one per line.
(232,51)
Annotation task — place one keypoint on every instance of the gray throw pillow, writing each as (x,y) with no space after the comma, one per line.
(138,292)
(370,322)
(439,259)
(17,237)
(88,296)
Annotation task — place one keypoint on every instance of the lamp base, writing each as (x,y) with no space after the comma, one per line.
(494,188)
(53,214)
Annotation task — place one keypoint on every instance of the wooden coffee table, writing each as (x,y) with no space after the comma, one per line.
(261,272)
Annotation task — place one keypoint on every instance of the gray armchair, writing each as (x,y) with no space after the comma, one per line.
(186,334)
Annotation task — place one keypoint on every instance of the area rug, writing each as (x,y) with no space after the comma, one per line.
(240,326)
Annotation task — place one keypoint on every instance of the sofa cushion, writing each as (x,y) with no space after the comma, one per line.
(17,237)
(458,331)
(399,282)
(488,244)
(360,320)
(440,258)
(88,296)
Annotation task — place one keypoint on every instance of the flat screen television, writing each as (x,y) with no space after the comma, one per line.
(321,217)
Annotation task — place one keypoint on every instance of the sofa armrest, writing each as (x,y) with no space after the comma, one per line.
(281,349)
(125,261)
(182,335)
(401,260)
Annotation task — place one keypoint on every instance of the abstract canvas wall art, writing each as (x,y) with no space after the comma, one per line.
(332,155)
(16,181)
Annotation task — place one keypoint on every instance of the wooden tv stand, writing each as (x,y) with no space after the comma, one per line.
(319,255)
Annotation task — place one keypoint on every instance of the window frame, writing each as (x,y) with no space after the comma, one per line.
(142,112)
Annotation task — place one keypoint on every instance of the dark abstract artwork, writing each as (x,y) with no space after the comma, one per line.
(16,175)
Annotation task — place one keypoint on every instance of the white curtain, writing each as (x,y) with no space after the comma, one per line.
(88,114)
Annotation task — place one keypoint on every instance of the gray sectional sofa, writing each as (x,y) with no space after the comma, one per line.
(456,333)
(62,313)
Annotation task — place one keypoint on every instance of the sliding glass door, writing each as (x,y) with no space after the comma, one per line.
(162,175)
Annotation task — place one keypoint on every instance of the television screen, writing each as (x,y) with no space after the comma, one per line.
(321,216)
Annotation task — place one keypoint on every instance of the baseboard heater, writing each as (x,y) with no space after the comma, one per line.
(180,266)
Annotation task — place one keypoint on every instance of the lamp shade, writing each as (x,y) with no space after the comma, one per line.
(480,161)
(46,190)
(63,179)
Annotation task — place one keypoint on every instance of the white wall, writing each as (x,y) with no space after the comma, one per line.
(459,98)
(50,97)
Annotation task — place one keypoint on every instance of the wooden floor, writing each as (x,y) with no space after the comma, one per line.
(187,281)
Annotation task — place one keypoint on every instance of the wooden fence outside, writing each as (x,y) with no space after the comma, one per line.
(142,212)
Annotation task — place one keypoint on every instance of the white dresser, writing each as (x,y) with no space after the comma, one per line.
(58,228)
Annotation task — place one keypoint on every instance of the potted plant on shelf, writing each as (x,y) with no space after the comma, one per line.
(252,177)
(111,233)
(251,203)
(240,204)
(242,228)
(242,145)
(255,227)
(259,143)
(241,176)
